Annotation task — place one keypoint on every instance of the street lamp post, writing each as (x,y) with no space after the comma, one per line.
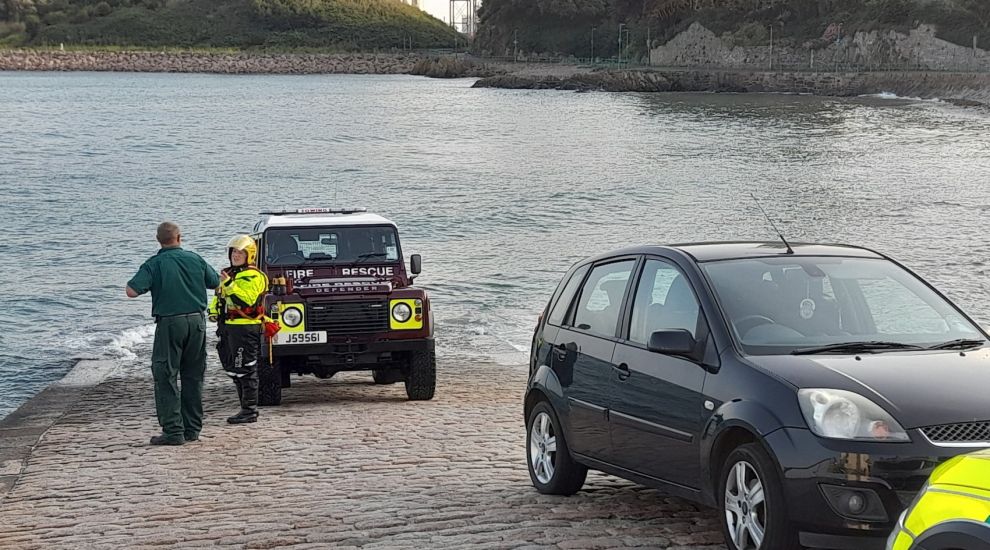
(618,63)
(771,47)
(515,45)
(592,45)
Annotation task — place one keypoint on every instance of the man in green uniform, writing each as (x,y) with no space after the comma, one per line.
(178,280)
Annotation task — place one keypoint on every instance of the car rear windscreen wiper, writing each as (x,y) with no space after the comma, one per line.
(960,343)
(855,347)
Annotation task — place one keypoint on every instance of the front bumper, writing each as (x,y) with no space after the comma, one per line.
(813,468)
(344,355)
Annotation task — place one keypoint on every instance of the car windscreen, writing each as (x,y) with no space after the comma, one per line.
(787,304)
(336,245)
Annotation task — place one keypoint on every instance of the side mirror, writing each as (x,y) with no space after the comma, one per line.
(415,264)
(673,342)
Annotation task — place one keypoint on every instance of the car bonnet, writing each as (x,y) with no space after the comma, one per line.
(925,388)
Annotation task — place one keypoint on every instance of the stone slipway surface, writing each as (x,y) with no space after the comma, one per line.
(343,464)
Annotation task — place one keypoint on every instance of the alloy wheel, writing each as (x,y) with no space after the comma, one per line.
(542,448)
(745,507)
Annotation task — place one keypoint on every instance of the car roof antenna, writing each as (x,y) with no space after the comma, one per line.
(773,225)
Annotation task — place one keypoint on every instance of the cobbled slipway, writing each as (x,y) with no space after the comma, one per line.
(343,464)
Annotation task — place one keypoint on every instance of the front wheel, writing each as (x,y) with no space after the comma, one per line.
(551,468)
(269,383)
(421,380)
(752,502)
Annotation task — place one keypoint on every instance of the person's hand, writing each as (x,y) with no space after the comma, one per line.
(224,275)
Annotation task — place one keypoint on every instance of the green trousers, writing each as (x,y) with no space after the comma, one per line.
(179,353)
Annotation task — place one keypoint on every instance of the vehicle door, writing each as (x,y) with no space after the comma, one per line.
(583,354)
(657,404)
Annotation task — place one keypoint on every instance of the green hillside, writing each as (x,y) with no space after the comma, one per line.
(565,26)
(247,24)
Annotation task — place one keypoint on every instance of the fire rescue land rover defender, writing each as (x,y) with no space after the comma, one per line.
(343,300)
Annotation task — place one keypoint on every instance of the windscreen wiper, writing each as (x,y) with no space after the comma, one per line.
(363,257)
(959,343)
(857,347)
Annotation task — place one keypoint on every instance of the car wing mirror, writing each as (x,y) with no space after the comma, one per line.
(673,342)
(415,264)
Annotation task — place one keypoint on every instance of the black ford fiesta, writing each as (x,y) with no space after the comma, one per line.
(805,391)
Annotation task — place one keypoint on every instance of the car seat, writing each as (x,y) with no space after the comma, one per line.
(282,247)
(678,311)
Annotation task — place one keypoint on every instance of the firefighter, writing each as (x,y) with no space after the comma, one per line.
(238,310)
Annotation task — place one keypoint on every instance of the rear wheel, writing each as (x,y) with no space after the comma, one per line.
(752,502)
(551,468)
(269,383)
(421,380)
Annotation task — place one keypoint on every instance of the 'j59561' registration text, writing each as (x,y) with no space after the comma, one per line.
(314,337)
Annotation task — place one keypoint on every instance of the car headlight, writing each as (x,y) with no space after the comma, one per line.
(401,312)
(840,414)
(291,317)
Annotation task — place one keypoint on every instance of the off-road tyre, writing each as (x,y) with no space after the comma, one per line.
(777,532)
(568,475)
(269,383)
(421,380)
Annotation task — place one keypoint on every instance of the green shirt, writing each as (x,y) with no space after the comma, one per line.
(177,279)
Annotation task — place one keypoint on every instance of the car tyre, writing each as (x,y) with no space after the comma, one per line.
(421,380)
(751,499)
(552,469)
(269,383)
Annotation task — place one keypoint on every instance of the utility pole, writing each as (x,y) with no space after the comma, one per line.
(515,45)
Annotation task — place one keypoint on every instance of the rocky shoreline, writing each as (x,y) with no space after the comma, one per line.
(208,62)
(966,88)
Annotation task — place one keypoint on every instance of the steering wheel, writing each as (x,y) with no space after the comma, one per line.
(750,322)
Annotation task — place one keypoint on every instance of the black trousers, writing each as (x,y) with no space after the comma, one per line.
(240,348)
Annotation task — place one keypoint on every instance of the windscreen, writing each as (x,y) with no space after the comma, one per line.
(315,246)
(779,305)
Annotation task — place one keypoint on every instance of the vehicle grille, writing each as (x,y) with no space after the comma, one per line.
(968,432)
(348,317)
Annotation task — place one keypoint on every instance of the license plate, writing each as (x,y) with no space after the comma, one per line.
(313,337)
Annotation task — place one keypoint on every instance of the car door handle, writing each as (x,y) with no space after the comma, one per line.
(623,370)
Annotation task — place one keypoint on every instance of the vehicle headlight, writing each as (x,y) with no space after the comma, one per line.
(401,312)
(840,414)
(291,317)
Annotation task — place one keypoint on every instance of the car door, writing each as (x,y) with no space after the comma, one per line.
(583,352)
(657,401)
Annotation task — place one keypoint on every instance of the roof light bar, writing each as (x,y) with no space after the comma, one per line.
(313,211)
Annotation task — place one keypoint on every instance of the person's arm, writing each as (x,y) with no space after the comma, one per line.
(140,283)
(211,277)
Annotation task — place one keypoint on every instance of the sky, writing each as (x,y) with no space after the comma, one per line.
(438,8)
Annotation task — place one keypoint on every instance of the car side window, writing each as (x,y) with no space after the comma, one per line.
(600,303)
(664,300)
(566,296)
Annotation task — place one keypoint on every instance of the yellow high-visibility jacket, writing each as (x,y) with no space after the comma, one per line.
(238,299)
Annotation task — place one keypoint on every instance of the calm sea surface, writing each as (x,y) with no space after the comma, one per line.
(499,190)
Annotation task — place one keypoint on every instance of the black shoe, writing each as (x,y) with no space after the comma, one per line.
(162,440)
(191,437)
(243,417)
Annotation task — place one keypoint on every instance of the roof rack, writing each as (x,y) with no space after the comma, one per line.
(313,211)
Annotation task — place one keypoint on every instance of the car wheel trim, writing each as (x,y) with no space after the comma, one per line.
(542,448)
(745,506)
